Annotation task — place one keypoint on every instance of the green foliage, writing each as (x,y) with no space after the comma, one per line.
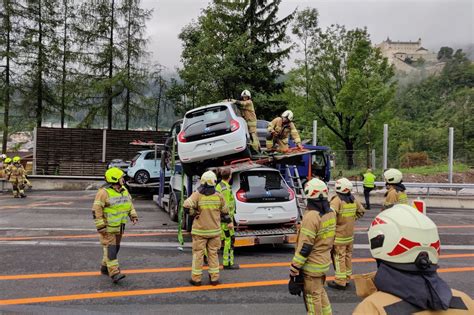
(445,53)
(350,83)
(233,46)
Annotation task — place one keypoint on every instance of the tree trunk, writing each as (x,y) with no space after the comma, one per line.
(158,105)
(127,99)
(64,71)
(39,85)
(349,153)
(6,5)
(111,66)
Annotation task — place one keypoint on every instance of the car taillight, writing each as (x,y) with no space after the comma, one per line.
(181,137)
(234,125)
(292,194)
(241,195)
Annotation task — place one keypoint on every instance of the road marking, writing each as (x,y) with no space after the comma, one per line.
(118,294)
(79,229)
(61,237)
(179,269)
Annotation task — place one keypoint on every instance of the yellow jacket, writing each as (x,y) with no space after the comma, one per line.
(347,214)
(394,197)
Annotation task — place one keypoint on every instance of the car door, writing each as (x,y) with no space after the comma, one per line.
(150,165)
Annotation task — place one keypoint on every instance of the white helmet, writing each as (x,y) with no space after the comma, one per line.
(393,176)
(287,114)
(209,178)
(3,156)
(246,93)
(343,186)
(401,233)
(316,189)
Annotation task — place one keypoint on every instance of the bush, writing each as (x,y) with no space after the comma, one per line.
(412,159)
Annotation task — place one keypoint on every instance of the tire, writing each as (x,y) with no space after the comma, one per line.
(173,206)
(141,177)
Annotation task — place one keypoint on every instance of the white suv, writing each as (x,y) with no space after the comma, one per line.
(209,133)
(262,196)
(144,168)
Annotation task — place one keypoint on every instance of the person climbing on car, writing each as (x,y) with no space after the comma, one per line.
(279,131)
(248,113)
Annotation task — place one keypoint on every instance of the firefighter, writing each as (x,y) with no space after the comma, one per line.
(228,234)
(348,209)
(6,163)
(14,174)
(112,205)
(395,189)
(209,209)
(3,165)
(248,113)
(405,243)
(369,185)
(279,130)
(313,250)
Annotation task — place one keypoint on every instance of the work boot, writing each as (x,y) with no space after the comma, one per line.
(215,282)
(232,267)
(195,283)
(22,196)
(104,270)
(334,285)
(117,277)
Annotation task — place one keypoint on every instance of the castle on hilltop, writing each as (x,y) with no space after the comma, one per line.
(406,56)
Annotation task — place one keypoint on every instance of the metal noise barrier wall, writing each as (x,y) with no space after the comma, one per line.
(80,152)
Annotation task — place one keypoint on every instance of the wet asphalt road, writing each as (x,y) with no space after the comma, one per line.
(50,257)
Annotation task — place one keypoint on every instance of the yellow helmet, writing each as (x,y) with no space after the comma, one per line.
(113,175)
(316,189)
(7,160)
(16,159)
(209,178)
(343,185)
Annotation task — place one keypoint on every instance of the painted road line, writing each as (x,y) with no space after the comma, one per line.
(179,269)
(96,235)
(119,294)
(79,229)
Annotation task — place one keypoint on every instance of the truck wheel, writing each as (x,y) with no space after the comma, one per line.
(174,206)
(142,177)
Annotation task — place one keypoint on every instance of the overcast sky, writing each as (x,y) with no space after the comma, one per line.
(437,22)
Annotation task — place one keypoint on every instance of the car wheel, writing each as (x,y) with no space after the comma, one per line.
(142,177)
(173,207)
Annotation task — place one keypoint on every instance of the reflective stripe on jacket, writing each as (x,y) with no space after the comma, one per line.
(317,231)
(347,214)
(284,131)
(226,190)
(208,211)
(369,180)
(394,197)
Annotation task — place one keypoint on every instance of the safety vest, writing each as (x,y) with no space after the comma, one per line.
(402,198)
(118,209)
(369,180)
(226,190)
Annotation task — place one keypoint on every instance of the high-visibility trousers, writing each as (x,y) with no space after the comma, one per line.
(201,244)
(228,237)
(315,296)
(342,258)
(110,245)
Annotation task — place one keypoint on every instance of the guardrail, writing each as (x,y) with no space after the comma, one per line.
(453,187)
(53,177)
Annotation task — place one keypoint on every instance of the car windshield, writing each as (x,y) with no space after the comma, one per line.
(208,122)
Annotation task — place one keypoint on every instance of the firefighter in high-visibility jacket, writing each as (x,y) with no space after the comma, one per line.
(209,209)
(313,250)
(228,234)
(279,130)
(395,189)
(406,246)
(248,113)
(348,209)
(15,174)
(112,207)
(3,164)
